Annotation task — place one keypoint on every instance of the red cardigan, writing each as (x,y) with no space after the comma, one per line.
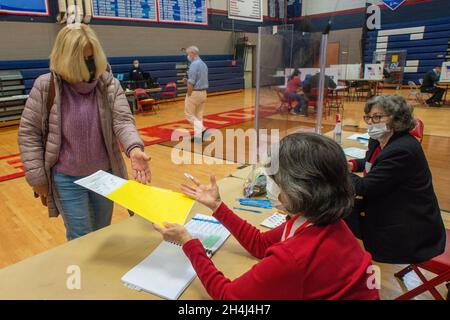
(318,263)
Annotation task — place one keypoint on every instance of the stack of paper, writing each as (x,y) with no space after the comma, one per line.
(154,204)
(275,220)
(355,152)
(167,272)
(209,231)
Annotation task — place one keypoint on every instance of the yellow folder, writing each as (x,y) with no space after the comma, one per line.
(154,204)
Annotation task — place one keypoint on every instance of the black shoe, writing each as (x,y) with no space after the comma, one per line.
(436,104)
(205,134)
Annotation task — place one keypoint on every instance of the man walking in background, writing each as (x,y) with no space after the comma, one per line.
(197,84)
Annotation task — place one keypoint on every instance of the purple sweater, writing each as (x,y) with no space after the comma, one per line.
(83,149)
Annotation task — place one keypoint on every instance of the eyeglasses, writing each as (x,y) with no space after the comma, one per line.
(376,118)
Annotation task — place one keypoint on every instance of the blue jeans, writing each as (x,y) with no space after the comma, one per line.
(302,103)
(83,211)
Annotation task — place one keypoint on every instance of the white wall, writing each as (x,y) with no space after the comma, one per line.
(34,40)
(223,5)
(311,7)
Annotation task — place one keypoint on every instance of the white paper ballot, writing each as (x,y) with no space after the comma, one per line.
(101,182)
(208,230)
(355,152)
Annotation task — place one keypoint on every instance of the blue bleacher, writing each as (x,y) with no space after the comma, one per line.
(406,37)
(429,51)
(222,75)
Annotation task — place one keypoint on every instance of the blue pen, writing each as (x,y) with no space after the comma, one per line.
(361,138)
(243,209)
(206,220)
(266,204)
(255,205)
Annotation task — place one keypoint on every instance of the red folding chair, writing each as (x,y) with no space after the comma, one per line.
(418,130)
(314,96)
(170,91)
(144,101)
(439,265)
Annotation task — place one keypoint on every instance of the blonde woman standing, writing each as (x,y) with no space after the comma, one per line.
(79,132)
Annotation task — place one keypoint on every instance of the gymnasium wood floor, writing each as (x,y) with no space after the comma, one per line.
(26,230)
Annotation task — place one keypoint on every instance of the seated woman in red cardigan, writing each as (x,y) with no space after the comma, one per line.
(313,255)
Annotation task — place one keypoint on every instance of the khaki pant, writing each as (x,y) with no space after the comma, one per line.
(193,109)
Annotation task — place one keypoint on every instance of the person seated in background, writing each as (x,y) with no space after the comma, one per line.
(386,72)
(307,77)
(313,255)
(294,83)
(136,75)
(396,214)
(429,85)
(313,82)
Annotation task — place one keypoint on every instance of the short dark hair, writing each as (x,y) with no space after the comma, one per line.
(294,74)
(313,175)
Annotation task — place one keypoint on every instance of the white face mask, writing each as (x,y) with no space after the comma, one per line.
(272,189)
(136,65)
(190,59)
(378,130)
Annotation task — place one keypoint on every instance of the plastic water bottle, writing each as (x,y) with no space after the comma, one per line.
(337,134)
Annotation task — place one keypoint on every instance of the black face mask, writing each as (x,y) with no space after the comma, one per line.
(90,64)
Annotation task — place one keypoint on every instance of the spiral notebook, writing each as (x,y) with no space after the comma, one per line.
(167,272)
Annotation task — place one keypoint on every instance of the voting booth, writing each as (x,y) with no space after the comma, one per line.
(394,66)
(445,72)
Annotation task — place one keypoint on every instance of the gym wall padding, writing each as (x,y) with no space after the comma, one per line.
(426,43)
(223,75)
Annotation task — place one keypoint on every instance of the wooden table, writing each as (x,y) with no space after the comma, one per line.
(444,85)
(372,87)
(151,90)
(130,96)
(106,255)
(336,99)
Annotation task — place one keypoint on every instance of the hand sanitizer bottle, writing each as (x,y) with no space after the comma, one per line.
(337,134)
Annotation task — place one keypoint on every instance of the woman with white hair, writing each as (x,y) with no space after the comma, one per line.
(71,127)
(396,214)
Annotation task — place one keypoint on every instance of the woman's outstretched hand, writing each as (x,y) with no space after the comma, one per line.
(173,232)
(206,195)
(140,167)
